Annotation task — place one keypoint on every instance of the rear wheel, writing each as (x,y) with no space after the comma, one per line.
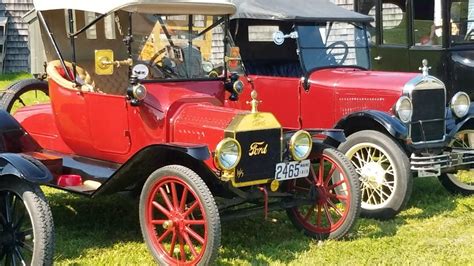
(179,217)
(24,93)
(27,230)
(334,196)
(384,171)
(461,182)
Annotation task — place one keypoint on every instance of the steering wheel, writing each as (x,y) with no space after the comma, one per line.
(164,65)
(469,34)
(334,50)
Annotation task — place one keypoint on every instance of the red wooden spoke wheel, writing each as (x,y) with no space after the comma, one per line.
(332,189)
(179,218)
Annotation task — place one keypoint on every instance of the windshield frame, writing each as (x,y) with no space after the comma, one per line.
(357,25)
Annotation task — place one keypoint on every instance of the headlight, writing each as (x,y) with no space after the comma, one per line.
(460,104)
(139,92)
(227,154)
(301,144)
(404,109)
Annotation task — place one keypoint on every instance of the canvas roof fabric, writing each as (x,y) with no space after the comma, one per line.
(295,10)
(165,7)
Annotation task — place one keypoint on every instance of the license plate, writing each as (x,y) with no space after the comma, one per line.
(292,170)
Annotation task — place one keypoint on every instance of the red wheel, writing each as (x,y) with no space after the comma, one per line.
(332,191)
(179,217)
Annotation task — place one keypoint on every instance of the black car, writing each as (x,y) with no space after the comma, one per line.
(441,31)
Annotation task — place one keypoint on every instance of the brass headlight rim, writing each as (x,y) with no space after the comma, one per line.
(135,90)
(398,105)
(293,141)
(218,152)
(234,87)
(455,98)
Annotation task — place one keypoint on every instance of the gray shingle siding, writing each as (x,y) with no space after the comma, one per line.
(16,46)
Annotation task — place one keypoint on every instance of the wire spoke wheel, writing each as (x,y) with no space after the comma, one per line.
(24,93)
(175,218)
(383,168)
(26,236)
(376,174)
(462,181)
(333,197)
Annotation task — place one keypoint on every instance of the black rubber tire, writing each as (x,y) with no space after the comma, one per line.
(402,178)
(354,208)
(203,193)
(40,217)
(449,180)
(19,88)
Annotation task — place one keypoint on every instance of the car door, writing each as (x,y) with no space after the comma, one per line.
(389,33)
(108,120)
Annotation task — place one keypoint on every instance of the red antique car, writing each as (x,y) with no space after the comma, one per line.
(310,65)
(154,123)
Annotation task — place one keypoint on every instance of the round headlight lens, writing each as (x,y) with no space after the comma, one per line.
(404,109)
(228,153)
(460,104)
(238,86)
(139,92)
(301,144)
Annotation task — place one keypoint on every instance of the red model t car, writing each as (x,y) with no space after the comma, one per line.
(309,61)
(154,123)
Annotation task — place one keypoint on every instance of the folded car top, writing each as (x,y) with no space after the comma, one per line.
(165,7)
(295,10)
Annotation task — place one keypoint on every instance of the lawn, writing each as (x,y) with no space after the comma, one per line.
(435,228)
(7,79)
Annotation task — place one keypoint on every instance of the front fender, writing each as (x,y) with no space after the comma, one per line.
(135,171)
(454,125)
(356,121)
(24,167)
(334,134)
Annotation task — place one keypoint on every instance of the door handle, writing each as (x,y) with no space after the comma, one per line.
(378,58)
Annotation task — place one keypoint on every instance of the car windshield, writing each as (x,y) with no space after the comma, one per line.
(333,44)
(177,47)
(462,21)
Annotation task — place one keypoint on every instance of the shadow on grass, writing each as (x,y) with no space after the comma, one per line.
(82,224)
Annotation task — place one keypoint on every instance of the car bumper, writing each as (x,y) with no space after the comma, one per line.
(434,165)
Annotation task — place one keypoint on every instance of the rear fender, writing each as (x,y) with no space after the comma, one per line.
(24,167)
(374,120)
(13,138)
(133,174)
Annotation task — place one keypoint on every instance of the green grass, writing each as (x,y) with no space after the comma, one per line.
(436,228)
(8,79)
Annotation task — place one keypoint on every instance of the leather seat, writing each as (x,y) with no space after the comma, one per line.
(56,72)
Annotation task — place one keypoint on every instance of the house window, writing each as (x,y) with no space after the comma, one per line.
(66,19)
(91,33)
(109,26)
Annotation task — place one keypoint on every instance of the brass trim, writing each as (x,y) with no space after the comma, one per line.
(250,183)
(219,151)
(252,121)
(293,141)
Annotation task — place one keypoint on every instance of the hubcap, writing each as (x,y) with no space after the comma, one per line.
(376,173)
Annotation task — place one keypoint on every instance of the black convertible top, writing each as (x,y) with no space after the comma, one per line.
(295,10)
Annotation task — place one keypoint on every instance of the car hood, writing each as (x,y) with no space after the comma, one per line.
(357,90)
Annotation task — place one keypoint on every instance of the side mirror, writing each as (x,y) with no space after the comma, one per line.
(104,62)
(279,37)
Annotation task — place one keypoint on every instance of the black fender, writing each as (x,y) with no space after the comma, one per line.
(454,124)
(24,167)
(132,174)
(336,135)
(13,137)
(358,121)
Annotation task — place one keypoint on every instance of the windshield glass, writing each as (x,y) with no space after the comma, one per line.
(333,44)
(462,21)
(177,47)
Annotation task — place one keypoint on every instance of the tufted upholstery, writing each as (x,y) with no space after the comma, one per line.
(56,72)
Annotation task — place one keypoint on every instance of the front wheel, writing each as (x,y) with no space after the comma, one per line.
(461,182)
(26,222)
(179,217)
(333,195)
(384,171)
